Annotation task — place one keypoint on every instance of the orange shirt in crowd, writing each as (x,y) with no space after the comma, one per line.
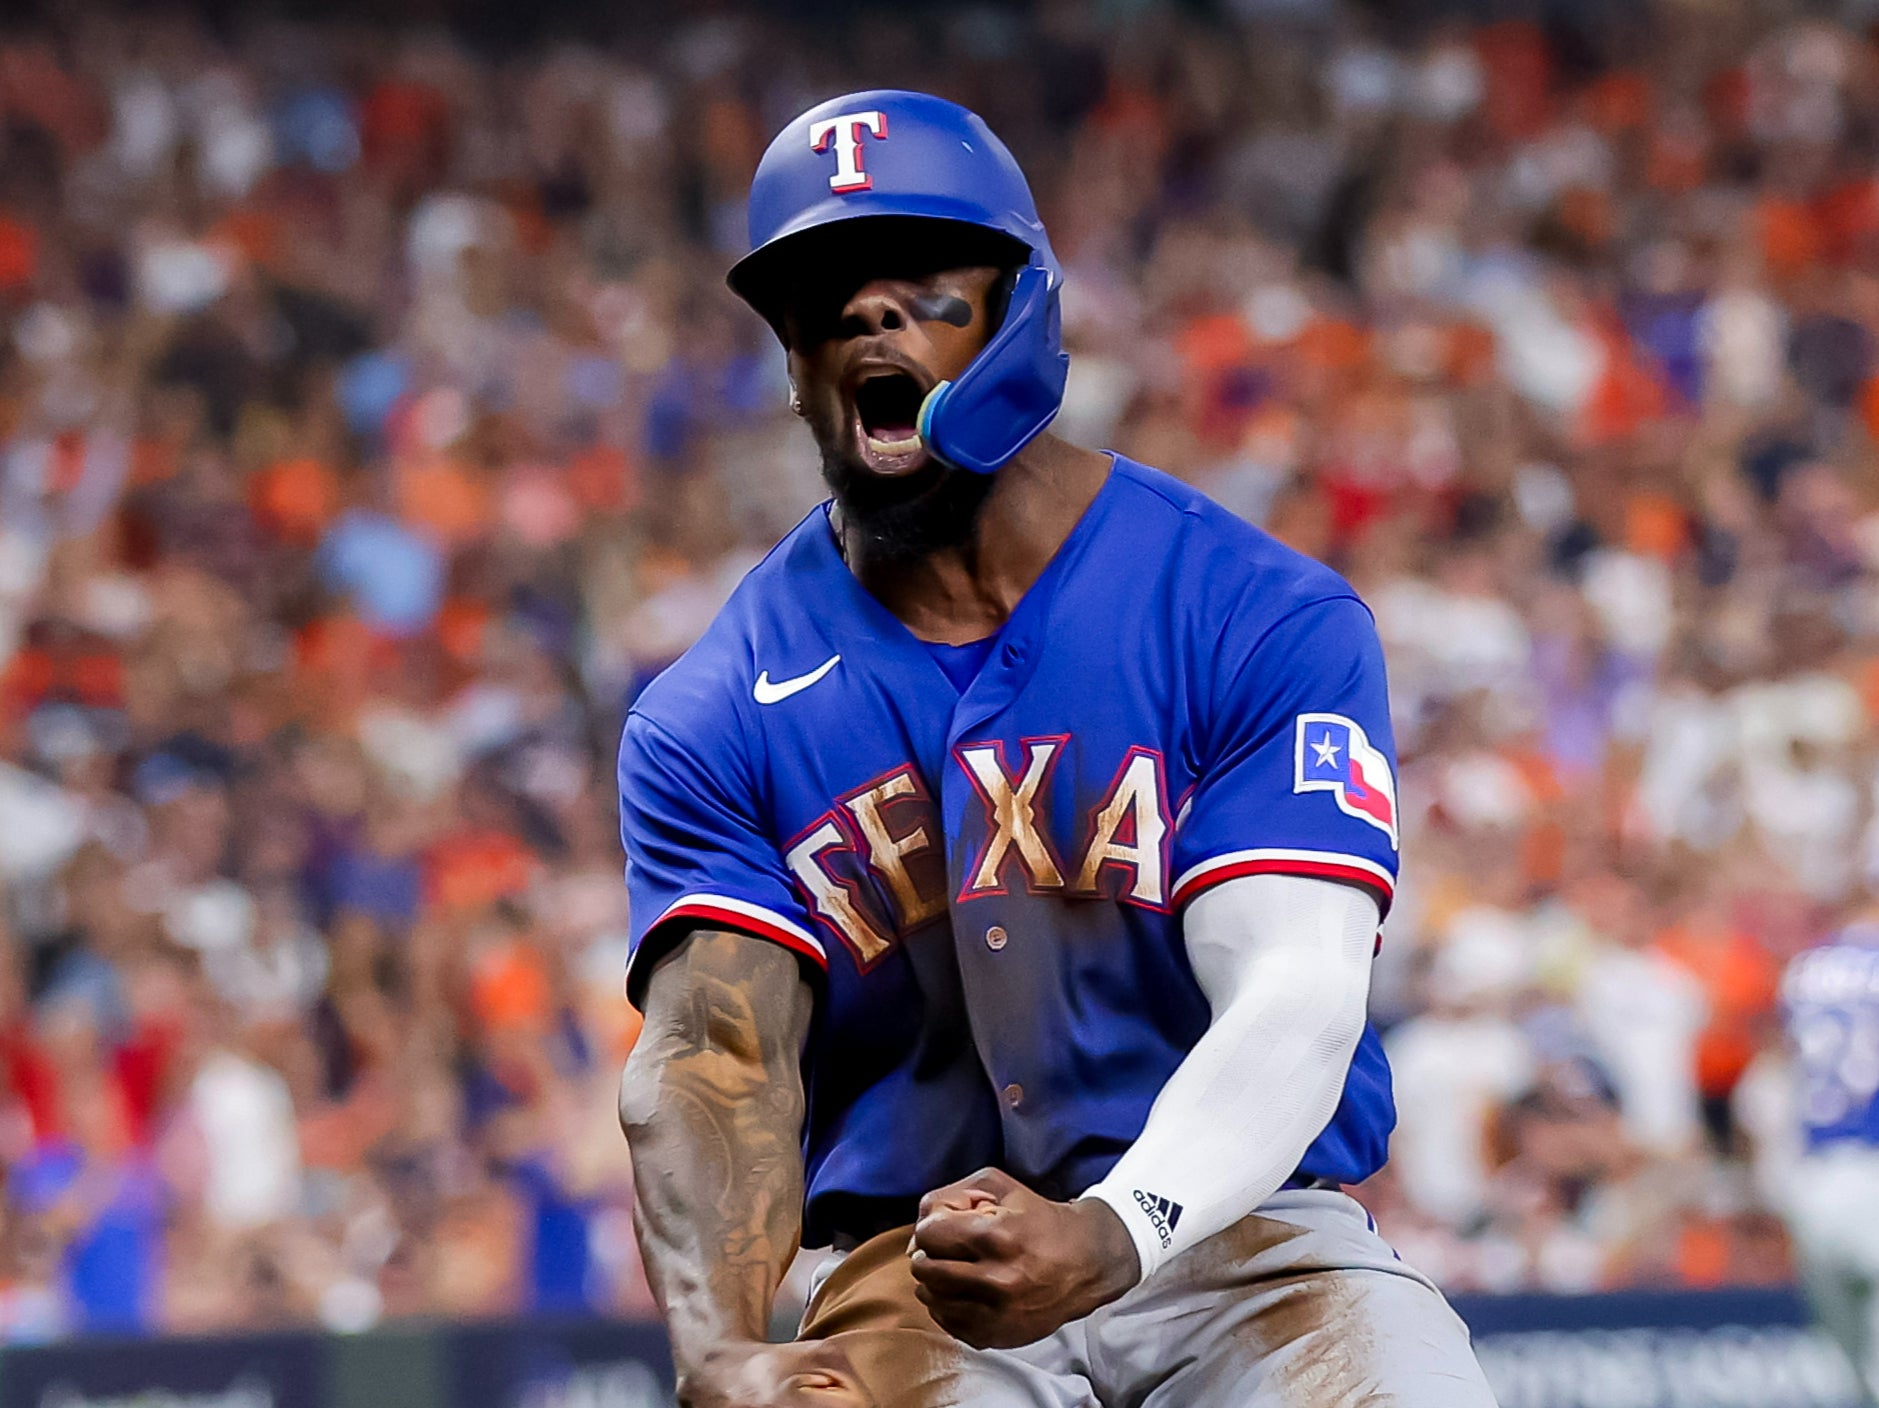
(296,499)
(1740,978)
(475,868)
(444,498)
(510,990)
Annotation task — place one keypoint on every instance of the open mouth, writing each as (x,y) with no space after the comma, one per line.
(887,413)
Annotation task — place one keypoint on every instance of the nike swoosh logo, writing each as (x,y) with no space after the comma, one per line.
(766,693)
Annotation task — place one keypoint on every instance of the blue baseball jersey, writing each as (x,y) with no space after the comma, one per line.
(1830,998)
(990,880)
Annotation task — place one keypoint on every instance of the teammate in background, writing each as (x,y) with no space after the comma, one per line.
(1831,1000)
(1023,812)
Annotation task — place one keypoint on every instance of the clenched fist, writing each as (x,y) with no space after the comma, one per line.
(1000,1266)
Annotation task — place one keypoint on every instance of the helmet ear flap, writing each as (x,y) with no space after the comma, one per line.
(1012,389)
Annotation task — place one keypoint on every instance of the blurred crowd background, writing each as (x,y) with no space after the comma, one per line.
(373,423)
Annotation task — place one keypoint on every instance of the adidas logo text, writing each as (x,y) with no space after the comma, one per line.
(1164,1216)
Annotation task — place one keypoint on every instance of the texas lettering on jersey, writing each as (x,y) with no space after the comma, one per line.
(987,882)
(893,828)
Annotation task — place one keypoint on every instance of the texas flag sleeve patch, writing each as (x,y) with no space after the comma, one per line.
(1333,755)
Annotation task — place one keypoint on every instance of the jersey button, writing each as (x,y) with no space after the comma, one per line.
(1014,652)
(996,937)
(1014,1095)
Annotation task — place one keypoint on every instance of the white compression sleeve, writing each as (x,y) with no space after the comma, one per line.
(1285,964)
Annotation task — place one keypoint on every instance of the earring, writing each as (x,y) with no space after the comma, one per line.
(795,400)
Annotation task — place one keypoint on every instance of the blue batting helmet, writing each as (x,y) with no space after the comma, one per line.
(898,154)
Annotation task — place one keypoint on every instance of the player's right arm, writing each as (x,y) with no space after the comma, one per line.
(712,1106)
(712,1101)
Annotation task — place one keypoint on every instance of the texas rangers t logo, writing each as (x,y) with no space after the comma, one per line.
(845,131)
(1334,755)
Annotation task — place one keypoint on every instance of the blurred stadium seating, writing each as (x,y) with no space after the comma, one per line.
(373,424)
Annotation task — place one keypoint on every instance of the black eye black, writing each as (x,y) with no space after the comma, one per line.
(943,308)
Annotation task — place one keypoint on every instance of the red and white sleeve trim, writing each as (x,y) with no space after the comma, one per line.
(1321,865)
(745,918)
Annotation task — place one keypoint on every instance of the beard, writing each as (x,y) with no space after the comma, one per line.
(905,519)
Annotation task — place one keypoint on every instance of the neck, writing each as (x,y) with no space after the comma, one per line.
(959,594)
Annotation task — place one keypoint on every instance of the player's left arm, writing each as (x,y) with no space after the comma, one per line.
(1283,892)
(1285,963)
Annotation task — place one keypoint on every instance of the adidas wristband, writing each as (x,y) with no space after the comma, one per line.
(1150,1218)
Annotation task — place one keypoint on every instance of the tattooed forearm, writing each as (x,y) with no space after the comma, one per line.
(712,1105)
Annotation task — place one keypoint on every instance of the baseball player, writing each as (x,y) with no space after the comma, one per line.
(1830,997)
(1006,866)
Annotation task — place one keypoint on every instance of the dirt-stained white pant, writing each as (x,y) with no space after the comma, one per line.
(1301,1305)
